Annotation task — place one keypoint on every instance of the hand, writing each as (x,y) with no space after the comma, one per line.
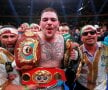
(73,55)
(75,44)
(32,87)
(12,76)
(19,87)
(13,87)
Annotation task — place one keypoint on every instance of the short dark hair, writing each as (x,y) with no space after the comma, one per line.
(64,24)
(49,9)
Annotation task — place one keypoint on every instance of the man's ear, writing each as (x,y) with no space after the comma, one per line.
(58,24)
(17,36)
(39,23)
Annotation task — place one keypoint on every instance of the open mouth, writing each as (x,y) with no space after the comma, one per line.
(49,30)
(91,39)
(10,46)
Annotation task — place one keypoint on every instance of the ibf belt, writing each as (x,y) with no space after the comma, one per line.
(43,77)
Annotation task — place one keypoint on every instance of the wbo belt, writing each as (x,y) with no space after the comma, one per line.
(43,77)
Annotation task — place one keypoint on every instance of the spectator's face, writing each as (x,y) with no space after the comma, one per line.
(64,31)
(77,31)
(34,29)
(49,24)
(8,40)
(23,27)
(99,32)
(89,37)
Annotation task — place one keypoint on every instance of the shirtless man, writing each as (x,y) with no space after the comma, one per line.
(52,44)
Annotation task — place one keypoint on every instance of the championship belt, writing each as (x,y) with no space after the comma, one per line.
(27,56)
(43,77)
(27,51)
(67,48)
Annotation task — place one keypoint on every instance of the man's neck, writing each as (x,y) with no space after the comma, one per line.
(91,48)
(50,40)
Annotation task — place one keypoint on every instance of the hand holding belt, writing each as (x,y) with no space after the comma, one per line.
(27,51)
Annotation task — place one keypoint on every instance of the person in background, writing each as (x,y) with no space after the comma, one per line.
(105,32)
(71,70)
(76,35)
(99,32)
(34,27)
(23,27)
(65,31)
(64,28)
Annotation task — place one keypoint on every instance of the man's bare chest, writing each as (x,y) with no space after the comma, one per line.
(52,51)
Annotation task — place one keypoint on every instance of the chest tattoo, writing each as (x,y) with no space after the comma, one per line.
(52,51)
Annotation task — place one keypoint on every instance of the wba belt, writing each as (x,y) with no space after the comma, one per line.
(43,77)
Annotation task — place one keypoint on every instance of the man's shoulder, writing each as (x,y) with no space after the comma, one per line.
(5,55)
(58,38)
(58,35)
(40,34)
(3,49)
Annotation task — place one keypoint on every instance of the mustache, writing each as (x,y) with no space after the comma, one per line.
(6,46)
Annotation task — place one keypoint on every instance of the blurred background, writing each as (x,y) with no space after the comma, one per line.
(73,12)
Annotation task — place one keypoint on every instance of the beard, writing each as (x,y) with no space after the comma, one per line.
(10,49)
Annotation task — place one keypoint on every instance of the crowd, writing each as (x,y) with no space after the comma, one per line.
(51,56)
